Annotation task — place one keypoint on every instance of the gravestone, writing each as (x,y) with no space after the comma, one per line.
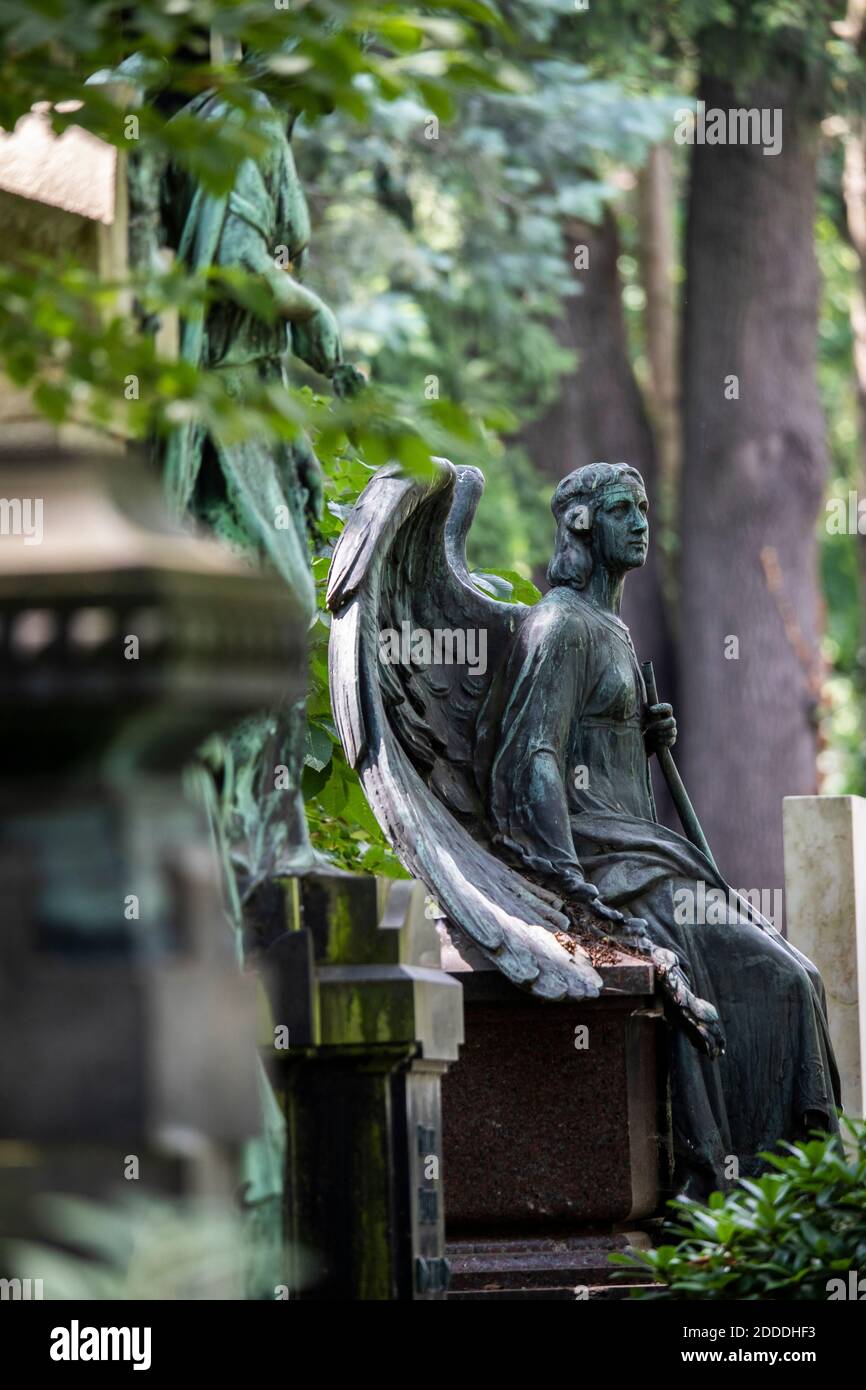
(362,1026)
(825,908)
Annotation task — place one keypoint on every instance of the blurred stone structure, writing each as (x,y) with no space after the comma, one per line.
(126,1030)
(64,196)
(363,1025)
(128,1034)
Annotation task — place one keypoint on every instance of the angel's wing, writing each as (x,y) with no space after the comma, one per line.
(398,579)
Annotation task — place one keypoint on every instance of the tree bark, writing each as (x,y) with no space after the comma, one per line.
(600,415)
(753,477)
(854,190)
(656,202)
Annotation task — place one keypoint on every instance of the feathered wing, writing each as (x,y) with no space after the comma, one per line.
(408,728)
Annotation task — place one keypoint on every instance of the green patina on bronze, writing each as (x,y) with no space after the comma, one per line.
(259,494)
(473,775)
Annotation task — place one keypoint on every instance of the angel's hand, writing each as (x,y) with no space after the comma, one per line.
(317,341)
(311,479)
(579,890)
(661,731)
(347,381)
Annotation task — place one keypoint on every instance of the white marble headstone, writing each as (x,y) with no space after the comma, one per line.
(825,890)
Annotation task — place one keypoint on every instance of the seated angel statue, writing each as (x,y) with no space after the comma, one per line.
(518,789)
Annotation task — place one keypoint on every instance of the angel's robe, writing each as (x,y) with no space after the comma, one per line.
(255,478)
(562,739)
(239,487)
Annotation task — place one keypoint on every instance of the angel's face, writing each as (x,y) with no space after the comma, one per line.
(620,528)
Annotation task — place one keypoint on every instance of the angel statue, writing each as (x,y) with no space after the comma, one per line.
(518,790)
(257,494)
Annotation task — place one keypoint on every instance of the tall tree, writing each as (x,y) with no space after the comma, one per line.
(598,413)
(753,474)
(854,193)
(658,255)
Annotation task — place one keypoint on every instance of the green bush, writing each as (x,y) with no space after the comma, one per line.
(782,1236)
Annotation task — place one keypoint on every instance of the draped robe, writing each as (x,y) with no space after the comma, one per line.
(258,478)
(562,740)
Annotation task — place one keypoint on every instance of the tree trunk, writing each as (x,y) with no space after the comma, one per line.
(753,477)
(600,415)
(658,256)
(854,188)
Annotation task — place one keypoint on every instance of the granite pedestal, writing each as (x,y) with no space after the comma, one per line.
(555,1131)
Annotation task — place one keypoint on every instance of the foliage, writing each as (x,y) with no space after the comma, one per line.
(779,1237)
(337,55)
(341,823)
(66,336)
(139,1248)
(98,366)
(449,152)
(842,760)
(742,41)
(448,251)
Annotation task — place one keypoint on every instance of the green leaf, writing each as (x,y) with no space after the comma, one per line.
(319,748)
(506,585)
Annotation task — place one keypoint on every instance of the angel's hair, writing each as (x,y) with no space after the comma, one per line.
(573,561)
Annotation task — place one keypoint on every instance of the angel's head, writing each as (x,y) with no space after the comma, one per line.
(601,519)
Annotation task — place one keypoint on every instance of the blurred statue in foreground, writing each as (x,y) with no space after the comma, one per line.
(518,789)
(256,493)
(260,495)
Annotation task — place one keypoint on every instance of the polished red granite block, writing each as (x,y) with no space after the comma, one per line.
(542,1135)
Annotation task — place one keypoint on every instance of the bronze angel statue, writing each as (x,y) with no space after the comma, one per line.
(518,789)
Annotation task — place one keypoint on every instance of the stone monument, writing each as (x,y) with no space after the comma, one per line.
(518,790)
(259,494)
(128,1035)
(361,1028)
(825,902)
(126,642)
